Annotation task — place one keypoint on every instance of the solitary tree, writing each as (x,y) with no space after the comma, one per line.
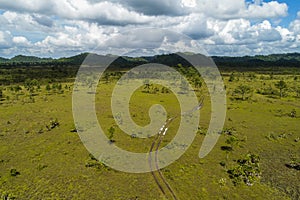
(232,77)
(111,131)
(281,85)
(48,87)
(106,77)
(147,86)
(297,91)
(243,90)
(197,83)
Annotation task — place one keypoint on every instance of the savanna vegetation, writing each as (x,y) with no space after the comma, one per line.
(256,157)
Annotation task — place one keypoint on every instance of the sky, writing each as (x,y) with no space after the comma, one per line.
(59,28)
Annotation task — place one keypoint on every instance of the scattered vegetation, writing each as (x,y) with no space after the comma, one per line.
(282,86)
(247,170)
(243,92)
(14,172)
(52,124)
(111,132)
(54,166)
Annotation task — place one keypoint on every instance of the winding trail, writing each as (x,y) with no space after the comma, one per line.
(160,179)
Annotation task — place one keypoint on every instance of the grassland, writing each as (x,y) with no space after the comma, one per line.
(42,156)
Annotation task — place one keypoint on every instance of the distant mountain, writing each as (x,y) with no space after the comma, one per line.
(74,60)
(21,58)
(3,59)
(274,60)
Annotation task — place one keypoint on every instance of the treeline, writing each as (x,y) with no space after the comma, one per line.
(48,74)
(28,61)
(290,60)
(20,68)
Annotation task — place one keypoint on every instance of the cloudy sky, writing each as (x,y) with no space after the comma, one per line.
(56,28)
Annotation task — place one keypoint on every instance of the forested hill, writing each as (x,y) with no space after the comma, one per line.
(279,60)
(274,60)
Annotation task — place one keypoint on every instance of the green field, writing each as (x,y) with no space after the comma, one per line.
(42,156)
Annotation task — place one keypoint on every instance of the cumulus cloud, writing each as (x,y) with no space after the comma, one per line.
(21,41)
(5,39)
(103,12)
(158,7)
(66,27)
(295,26)
(43,20)
(195,26)
(234,9)
(271,9)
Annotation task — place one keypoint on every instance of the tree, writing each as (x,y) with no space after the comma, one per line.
(243,90)
(297,91)
(111,131)
(106,77)
(30,84)
(247,170)
(232,141)
(197,83)
(281,85)
(147,86)
(48,87)
(17,88)
(232,77)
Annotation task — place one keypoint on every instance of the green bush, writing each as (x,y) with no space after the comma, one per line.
(52,124)
(242,92)
(14,172)
(4,195)
(247,170)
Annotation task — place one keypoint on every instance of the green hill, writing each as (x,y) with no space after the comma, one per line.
(258,61)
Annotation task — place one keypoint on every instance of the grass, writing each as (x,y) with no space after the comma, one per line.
(53,163)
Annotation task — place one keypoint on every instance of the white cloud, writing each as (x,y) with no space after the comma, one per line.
(295,26)
(189,3)
(103,12)
(5,40)
(234,9)
(195,26)
(271,9)
(20,40)
(66,27)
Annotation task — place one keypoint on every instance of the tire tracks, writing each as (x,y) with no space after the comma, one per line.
(159,179)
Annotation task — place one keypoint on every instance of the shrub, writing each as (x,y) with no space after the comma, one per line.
(94,163)
(4,195)
(247,170)
(1,94)
(14,172)
(232,77)
(111,131)
(243,91)
(282,86)
(229,131)
(52,124)
(293,113)
(294,163)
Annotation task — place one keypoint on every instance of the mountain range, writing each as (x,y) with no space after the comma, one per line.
(275,60)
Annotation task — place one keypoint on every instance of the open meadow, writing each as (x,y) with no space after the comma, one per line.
(256,157)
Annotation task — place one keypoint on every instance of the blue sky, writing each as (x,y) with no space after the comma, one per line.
(57,28)
(294,7)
